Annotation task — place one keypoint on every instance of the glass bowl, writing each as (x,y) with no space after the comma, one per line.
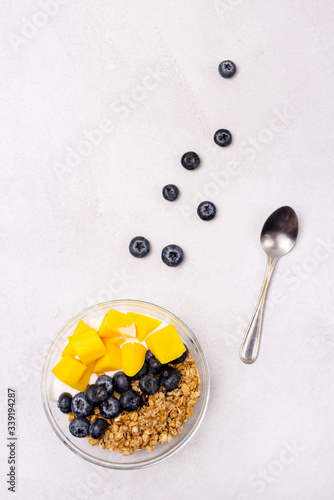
(108,458)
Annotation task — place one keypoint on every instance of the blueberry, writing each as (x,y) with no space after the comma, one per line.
(223,137)
(97,428)
(190,160)
(110,408)
(227,69)
(64,402)
(121,382)
(141,372)
(155,367)
(170,378)
(170,192)
(95,394)
(172,255)
(130,400)
(149,385)
(79,427)
(80,406)
(106,382)
(139,247)
(181,358)
(148,356)
(206,210)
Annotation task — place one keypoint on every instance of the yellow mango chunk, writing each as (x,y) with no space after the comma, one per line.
(81,327)
(110,361)
(166,344)
(88,346)
(133,357)
(111,322)
(69,370)
(144,324)
(81,385)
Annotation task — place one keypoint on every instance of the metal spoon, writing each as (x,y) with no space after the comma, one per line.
(278,237)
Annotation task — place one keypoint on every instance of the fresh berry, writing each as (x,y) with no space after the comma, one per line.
(206,210)
(110,408)
(172,255)
(121,382)
(181,358)
(170,192)
(139,247)
(106,382)
(155,367)
(149,385)
(79,427)
(141,372)
(190,160)
(223,137)
(97,428)
(95,394)
(64,402)
(227,69)
(148,356)
(130,400)
(170,378)
(80,406)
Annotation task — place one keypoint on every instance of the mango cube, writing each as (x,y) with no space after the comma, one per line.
(144,324)
(88,346)
(114,340)
(111,360)
(81,385)
(133,357)
(166,344)
(81,327)
(111,322)
(69,370)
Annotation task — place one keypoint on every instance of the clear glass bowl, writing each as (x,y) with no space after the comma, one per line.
(112,459)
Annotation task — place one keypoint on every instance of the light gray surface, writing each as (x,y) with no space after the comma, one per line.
(65,228)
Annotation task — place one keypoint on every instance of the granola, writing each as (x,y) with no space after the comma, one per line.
(158,421)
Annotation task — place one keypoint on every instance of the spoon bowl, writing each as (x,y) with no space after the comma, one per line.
(279,232)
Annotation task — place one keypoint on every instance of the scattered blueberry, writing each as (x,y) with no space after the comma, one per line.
(80,406)
(121,382)
(155,367)
(206,210)
(170,378)
(95,394)
(149,385)
(97,428)
(190,160)
(130,400)
(64,402)
(170,192)
(139,247)
(106,382)
(223,137)
(181,358)
(172,255)
(148,356)
(110,408)
(227,69)
(141,372)
(79,427)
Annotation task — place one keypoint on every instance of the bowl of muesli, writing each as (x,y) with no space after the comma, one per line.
(153,430)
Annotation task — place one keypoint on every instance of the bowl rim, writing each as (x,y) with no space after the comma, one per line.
(68,444)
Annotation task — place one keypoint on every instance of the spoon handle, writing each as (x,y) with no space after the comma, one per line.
(250,346)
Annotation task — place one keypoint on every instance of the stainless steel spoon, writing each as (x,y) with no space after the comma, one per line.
(278,237)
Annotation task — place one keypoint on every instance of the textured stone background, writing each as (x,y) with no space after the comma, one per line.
(99,102)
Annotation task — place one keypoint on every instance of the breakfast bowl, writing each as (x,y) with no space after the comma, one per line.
(107,457)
